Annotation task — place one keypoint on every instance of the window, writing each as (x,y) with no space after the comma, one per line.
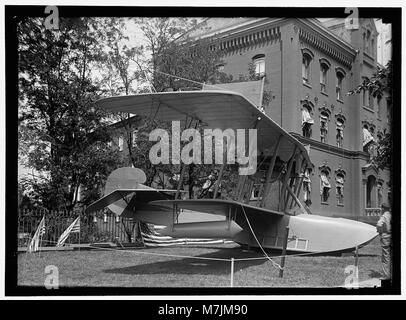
(379,106)
(120,143)
(373,47)
(367,41)
(339,132)
(371,101)
(380,193)
(323,127)
(306,68)
(364,41)
(134,137)
(339,85)
(324,186)
(259,65)
(340,188)
(368,138)
(371,185)
(365,97)
(307,187)
(365,93)
(307,122)
(323,77)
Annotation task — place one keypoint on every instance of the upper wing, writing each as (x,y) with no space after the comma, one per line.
(147,194)
(216,109)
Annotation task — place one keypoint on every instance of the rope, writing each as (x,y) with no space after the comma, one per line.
(150,253)
(202,258)
(252,231)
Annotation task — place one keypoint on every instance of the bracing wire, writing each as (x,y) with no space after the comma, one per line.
(186,79)
(259,244)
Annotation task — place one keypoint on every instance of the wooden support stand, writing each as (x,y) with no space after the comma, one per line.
(285,244)
(232,273)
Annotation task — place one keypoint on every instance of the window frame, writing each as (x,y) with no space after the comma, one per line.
(258,61)
(307,127)
(324,71)
(307,188)
(326,171)
(307,56)
(339,85)
(340,196)
(306,60)
(324,136)
(340,138)
(379,106)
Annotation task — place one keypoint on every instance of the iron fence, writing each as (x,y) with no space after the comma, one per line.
(104,227)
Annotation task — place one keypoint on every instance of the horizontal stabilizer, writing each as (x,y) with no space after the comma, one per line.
(119,194)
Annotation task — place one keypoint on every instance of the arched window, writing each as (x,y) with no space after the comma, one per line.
(365,93)
(379,106)
(324,118)
(370,200)
(259,65)
(306,68)
(367,42)
(307,121)
(380,193)
(339,84)
(307,187)
(373,47)
(340,187)
(325,185)
(324,67)
(340,132)
(368,138)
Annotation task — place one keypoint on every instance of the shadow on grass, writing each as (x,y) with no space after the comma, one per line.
(196,266)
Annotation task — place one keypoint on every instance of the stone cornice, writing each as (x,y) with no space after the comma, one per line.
(252,26)
(311,32)
(254,37)
(349,154)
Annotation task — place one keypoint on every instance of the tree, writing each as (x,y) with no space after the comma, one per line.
(69,134)
(178,62)
(379,85)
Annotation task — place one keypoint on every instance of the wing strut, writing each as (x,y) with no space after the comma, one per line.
(182,172)
(270,170)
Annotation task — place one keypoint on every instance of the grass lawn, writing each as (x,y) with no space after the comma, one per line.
(138,268)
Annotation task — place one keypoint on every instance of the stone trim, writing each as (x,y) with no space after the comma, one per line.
(253,38)
(323,46)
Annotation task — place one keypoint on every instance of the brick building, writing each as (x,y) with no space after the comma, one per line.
(309,65)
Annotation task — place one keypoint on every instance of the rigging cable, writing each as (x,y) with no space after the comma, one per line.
(255,237)
(181,78)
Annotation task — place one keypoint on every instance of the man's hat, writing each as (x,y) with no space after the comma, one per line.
(385,206)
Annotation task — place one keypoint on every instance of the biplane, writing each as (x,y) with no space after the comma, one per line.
(253,221)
